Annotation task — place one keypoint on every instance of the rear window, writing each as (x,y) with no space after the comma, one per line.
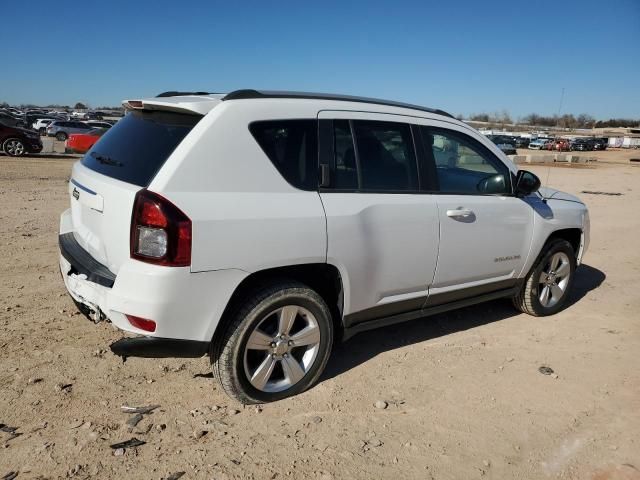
(292,146)
(135,148)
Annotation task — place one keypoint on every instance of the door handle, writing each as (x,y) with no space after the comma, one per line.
(460,212)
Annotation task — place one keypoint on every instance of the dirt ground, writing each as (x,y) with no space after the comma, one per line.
(465,397)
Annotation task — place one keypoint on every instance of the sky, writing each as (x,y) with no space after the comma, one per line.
(462,56)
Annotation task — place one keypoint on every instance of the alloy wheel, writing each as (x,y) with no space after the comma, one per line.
(281,349)
(554,279)
(14,148)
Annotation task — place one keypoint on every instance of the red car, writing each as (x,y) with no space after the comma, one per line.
(82,142)
(559,144)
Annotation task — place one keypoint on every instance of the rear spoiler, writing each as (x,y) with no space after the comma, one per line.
(198,104)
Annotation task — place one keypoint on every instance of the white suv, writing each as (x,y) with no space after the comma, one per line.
(257,227)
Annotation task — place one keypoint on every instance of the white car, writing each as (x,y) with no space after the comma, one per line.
(257,227)
(40,125)
(537,144)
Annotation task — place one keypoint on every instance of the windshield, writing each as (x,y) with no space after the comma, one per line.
(135,148)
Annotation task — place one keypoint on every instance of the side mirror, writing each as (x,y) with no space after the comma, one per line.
(526,183)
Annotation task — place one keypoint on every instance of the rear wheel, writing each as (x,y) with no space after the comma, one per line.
(547,285)
(14,147)
(61,136)
(275,345)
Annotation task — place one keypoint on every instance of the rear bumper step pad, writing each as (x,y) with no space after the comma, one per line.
(155,347)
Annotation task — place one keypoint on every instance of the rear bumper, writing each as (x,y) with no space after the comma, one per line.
(84,264)
(184,305)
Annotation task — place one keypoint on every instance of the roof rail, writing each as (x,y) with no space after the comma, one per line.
(179,94)
(248,93)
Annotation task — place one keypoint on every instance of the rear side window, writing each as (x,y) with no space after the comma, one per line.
(135,148)
(292,147)
(346,175)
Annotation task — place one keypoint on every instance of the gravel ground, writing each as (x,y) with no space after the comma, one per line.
(455,396)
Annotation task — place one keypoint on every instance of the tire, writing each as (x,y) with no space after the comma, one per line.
(42,131)
(265,310)
(532,298)
(61,136)
(14,147)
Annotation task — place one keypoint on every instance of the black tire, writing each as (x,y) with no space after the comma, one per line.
(14,147)
(528,299)
(228,349)
(61,136)
(42,131)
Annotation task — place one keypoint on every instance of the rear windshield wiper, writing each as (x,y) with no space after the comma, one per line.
(106,160)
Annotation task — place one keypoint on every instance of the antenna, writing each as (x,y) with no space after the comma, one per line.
(546,182)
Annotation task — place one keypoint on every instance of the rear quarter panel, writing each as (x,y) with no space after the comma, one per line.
(244,213)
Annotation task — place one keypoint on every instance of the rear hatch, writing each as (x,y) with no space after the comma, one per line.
(104,183)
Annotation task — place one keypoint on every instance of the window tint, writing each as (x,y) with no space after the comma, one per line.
(346,174)
(136,147)
(385,156)
(463,164)
(292,147)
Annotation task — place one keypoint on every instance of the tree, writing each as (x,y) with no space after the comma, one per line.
(80,106)
(479,117)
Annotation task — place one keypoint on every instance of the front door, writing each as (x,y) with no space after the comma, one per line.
(485,231)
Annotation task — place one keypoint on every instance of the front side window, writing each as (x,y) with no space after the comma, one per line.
(292,147)
(386,157)
(463,165)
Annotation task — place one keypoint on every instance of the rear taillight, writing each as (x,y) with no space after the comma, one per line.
(160,231)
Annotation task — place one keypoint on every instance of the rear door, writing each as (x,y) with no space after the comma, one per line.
(104,183)
(382,232)
(485,231)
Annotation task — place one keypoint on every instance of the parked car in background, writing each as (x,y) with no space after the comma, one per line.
(600,143)
(504,143)
(16,141)
(82,142)
(558,145)
(582,144)
(40,125)
(92,116)
(61,129)
(31,118)
(537,144)
(9,119)
(98,124)
(521,142)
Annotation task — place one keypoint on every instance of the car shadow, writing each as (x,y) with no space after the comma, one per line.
(367,345)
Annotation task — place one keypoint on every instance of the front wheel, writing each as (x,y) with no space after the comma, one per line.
(275,345)
(547,285)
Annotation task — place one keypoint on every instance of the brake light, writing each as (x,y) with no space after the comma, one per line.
(160,231)
(142,323)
